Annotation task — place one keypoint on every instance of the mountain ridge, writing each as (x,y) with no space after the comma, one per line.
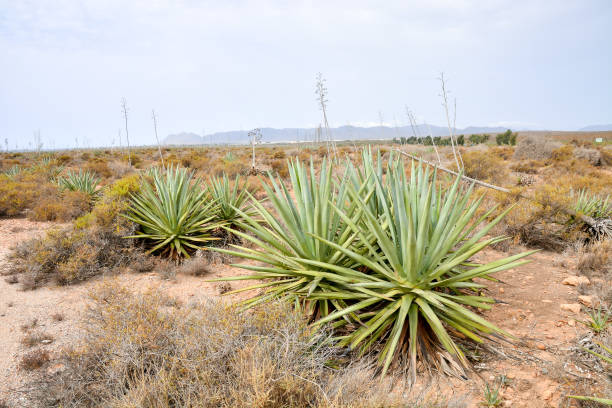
(347,132)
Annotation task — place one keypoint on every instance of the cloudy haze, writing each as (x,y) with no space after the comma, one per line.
(229,65)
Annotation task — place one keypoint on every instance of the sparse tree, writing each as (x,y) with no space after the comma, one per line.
(6,144)
(255,138)
(124,108)
(161,156)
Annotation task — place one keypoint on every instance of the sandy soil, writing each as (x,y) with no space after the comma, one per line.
(530,309)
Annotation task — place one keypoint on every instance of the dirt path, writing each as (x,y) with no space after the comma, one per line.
(531,297)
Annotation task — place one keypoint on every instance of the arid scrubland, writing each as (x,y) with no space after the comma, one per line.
(372,277)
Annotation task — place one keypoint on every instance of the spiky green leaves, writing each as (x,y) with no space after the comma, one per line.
(174,212)
(83,181)
(229,198)
(384,258)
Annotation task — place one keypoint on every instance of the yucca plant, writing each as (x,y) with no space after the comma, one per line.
(13,171)
(82,181)
(397,273)
(229,198)
(174,212)
(592,205)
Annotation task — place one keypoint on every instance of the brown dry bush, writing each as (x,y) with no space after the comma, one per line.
(146,350)
(92,246)
(527,166)
(22,192)
(484,166)
(595,259)
(61,206)
(535,148)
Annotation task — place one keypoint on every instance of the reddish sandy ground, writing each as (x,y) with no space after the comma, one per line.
(532,295)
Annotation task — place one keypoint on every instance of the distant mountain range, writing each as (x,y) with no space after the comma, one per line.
(596,128)
(271,135)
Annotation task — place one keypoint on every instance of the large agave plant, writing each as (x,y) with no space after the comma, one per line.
(174,213)
(395,272)
(82,181)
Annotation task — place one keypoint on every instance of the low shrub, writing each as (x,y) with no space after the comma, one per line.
(527,166)
(92,246)
(61,207)
(531,147)
(150,350)
(68,256)
(484,166)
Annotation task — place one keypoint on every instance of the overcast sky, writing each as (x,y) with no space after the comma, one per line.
(226,65)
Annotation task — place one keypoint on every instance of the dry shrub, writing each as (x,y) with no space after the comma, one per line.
(148,350)
(484,166)
(23,192)
(279,168)
(527,166)
(279,154)
(92,246)
(595,259)
(34,359)
(535,148)
(70,255)
(119,169)
(61,207)
(195,266)
(593,156)
(100,167)
(502,152)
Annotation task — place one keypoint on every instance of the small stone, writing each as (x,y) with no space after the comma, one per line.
(541,347)
(571,322)
(586,300)
(46,341)
(501,290)
(546,301)
(571,307)
(576,280)
(550,336)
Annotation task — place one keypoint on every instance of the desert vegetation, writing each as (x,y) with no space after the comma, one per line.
(369,266)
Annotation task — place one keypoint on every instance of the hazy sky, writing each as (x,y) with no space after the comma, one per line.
(226,65)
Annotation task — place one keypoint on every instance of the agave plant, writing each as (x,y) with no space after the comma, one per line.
(13,172)
(82,181)
(229,198)
(395,272)
(592,205)
(173,212)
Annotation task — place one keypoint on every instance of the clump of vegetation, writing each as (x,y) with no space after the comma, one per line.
(506,138)
(380,258)
(175,214)
(149,350)
(83,181)
(92,246)
(535,148)
(484,166)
